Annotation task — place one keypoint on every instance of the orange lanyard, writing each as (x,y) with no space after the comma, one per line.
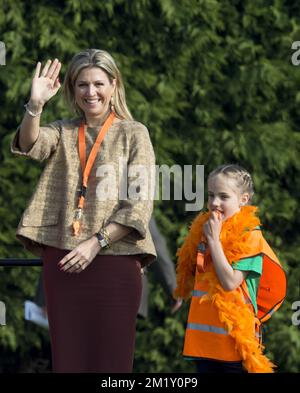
(87,165)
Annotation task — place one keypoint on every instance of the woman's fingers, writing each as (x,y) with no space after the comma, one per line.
(41,86)
(51,69)
(76,267)
(54,69)
(74,263)
(37,70)
(80,267)
(56,84)
(46,68)
(68,265)
(66,258)
(56,72)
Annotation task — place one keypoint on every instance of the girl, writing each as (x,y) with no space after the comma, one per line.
(221,262)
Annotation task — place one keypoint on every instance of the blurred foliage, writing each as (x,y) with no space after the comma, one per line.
(214,83)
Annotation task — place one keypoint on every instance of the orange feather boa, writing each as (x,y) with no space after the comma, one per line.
(237,317)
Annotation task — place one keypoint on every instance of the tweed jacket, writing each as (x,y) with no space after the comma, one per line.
(48,217)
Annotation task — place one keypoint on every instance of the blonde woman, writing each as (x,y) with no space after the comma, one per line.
(92,232)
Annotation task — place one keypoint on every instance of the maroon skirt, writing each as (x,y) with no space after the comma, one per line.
(92,314)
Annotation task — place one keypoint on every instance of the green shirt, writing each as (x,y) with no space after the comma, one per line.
(253,266)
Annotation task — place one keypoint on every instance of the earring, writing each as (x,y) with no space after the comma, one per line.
(112,106)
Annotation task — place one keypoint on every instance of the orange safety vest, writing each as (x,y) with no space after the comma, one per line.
(208,330)
(206,336)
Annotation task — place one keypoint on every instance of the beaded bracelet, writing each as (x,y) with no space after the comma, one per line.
(30,112)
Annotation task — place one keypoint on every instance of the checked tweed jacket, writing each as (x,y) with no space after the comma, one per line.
(48,217)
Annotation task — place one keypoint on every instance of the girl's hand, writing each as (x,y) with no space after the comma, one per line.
(45,83)
(212,228)
(78,259)
(177,303)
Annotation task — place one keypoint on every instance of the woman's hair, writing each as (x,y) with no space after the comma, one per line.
(241,177)
(96,58)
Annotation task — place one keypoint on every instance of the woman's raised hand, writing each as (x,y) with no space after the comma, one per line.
(45,83)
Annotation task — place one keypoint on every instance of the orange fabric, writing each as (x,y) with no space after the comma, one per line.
(187,258)
(272,285)
(227,309)
(206,344)
(201,261)
(87,165)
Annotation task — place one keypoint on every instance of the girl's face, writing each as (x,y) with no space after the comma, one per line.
(93,91)
(224,196)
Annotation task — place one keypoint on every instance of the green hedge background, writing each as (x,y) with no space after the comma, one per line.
(214,83)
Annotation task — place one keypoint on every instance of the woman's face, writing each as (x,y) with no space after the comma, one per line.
(93,92)
(224,196)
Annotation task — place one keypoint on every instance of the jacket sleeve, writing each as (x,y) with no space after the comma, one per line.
(45,144)
(136,207)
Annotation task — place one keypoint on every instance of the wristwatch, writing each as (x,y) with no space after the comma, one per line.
(101,240)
